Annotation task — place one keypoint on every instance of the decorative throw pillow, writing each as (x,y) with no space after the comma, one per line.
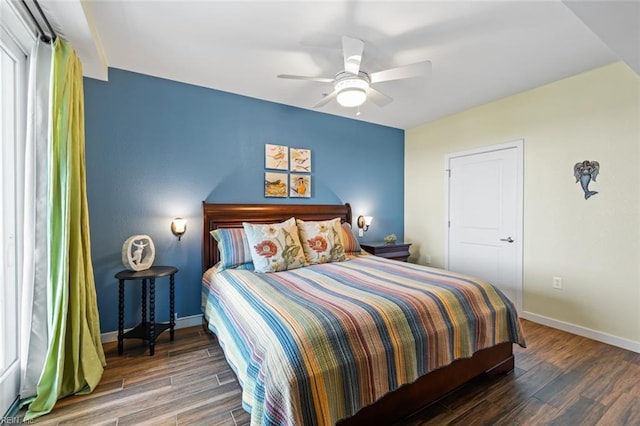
(322,241)
(275,246)
(349,240)
(233,247)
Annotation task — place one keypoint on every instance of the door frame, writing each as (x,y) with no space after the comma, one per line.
(518,145)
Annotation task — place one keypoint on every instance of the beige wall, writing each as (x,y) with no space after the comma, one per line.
(594,245)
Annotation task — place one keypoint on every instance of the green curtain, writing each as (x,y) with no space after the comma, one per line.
(75,359)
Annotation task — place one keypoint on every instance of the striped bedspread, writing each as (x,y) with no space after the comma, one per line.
(314,345)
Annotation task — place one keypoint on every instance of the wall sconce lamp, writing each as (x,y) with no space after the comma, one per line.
(364,222)
(178,227)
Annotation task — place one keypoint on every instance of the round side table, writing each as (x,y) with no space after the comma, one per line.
(147,330)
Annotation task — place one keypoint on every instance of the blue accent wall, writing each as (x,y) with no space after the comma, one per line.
(155,149)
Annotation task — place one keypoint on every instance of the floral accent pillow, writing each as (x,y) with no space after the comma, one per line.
(322,241)
(275,246)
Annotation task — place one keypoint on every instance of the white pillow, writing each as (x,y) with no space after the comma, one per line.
(322,241)
(275,246)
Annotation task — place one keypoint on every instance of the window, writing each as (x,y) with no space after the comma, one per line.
(13,97)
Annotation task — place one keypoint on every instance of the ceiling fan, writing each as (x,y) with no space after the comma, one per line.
(352,86)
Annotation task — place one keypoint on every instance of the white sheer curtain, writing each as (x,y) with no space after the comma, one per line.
(34,322)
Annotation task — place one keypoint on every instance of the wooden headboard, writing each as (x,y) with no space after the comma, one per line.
(216,216)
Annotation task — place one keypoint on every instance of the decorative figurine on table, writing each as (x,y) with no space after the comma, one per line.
(585,172)
(138,253)
(390,239)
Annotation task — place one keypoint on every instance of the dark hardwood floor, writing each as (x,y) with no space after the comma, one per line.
(559,379)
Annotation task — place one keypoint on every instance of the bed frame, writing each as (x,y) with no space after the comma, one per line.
(402,402)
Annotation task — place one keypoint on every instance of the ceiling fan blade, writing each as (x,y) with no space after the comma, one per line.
(352,49)
(377,97)
(302,77)
(328,98)
(407,71)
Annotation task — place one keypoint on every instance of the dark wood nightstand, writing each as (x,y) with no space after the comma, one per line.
(147,330)
(396,251)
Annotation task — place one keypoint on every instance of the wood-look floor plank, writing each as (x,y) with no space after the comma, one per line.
(121,404)
(532,412)
(623,411)
(526,385)
(216,410)
(241,417)
(580,411)
(566,384)
(559,379)
(200,373)
(107,406)
(101,390)
(197,359)
(188,396)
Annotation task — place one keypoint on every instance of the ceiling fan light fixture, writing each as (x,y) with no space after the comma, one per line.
(352,97)
(352,92)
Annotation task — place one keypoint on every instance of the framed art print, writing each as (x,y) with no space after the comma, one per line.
(299,185)
(275,184)
(276,157)
(300,160)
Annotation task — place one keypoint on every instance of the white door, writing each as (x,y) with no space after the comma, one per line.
(485,216)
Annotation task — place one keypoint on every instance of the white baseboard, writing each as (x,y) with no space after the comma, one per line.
(184,322)
(600,336)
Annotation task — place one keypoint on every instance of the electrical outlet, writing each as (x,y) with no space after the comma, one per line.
(360,232)
(427,259)
(175,316)
(557,283)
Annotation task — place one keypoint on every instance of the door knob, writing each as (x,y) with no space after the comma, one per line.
(508,239)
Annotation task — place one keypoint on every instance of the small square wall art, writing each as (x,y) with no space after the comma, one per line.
(299,185)
(275,184)
(276,157)
(300,160)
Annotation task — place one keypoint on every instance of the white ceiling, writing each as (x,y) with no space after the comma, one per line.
(480,50)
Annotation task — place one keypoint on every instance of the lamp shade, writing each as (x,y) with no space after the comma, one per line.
(178,227)
(364,222)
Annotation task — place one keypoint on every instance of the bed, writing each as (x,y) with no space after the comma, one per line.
(341,342)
